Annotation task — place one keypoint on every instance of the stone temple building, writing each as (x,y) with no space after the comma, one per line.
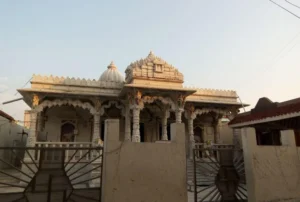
(149,98)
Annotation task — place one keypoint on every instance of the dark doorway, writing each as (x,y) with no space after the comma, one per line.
(142,132)
(102,131)
(198,135)
(67,133)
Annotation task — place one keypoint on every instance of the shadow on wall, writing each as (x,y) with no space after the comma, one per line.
(272,172)
(11,136)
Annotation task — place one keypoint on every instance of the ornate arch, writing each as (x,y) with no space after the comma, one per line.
(151,99)
(57,102)
(207,110)
(108,105)
(193,114)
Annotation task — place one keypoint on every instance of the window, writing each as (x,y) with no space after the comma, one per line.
(268,137)
(297,137)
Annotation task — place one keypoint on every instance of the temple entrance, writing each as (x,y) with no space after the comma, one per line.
(67,133)
(198,135)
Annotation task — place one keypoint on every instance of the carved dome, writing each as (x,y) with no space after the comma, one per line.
(112,74)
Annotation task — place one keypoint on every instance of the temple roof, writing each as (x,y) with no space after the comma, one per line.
(266,111)
(153,68)
(112,74)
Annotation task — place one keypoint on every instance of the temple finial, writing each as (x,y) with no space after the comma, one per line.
(112,65)
(151,53)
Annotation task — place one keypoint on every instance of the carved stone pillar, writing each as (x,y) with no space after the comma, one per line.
(136,137)
(178,114)
(31,139)
(216,126)
(127,124)
(96,128)
(179,107)
(136,104)
(190,115)
(40,122)
(164,124)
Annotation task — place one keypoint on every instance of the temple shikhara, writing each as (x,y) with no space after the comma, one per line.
(146,101)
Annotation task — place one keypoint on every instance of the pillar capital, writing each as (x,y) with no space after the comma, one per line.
(135,99)
(97,104)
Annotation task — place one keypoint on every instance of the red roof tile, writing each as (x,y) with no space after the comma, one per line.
(268,110)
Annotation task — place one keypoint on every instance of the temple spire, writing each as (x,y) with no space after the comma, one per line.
(112,65)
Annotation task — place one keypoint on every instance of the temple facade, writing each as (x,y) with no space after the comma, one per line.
(146,100)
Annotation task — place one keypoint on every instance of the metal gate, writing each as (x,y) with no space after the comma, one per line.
(219,174)
(49,174)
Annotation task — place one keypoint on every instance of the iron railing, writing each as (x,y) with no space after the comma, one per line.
(219,175)
(50,173)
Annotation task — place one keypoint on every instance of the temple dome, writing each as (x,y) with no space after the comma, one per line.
(112,74)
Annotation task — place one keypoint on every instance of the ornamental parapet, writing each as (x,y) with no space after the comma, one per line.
(55,80)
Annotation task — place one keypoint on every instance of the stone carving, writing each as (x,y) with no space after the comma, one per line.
(166,101)
(208,110)
(97,104)
(180,101)
(135,99)
(35,101)
(75,81)
(153,67)
(189,111)
(74,103)
(108,105)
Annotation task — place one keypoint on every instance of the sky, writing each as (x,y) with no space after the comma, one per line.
(250,46)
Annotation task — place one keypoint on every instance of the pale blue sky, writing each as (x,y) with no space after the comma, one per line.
(232,44)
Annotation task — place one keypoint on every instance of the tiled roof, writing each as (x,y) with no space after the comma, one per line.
(267,109)
(5,115)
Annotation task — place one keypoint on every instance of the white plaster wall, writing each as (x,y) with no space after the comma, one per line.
(9,137)
(272,172)
(148,172)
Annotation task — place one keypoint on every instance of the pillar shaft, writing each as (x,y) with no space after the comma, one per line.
(96,128)
(127,124)
(136,137)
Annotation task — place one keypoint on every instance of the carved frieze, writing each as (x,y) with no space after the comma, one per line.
(164,100)
(74,103)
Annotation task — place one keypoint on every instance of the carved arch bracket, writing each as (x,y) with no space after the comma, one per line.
(74,103)
(167,101)
(196,112)
(119,106)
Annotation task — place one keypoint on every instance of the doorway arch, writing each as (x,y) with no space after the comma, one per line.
(67,132)
(198,134)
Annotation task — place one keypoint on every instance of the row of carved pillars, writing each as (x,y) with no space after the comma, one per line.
(36,124)
(136,110)
(216,126)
